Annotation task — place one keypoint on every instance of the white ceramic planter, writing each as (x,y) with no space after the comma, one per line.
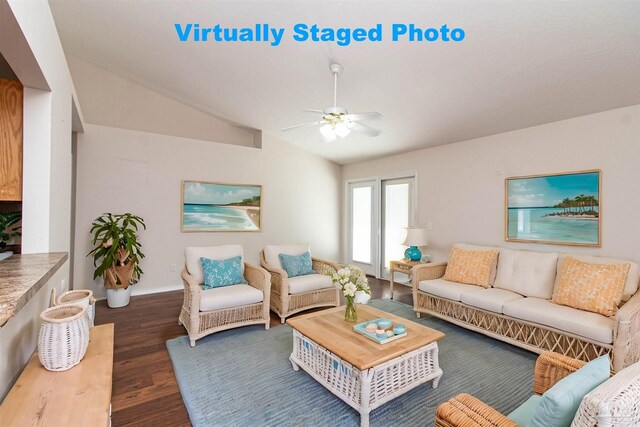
(118,297)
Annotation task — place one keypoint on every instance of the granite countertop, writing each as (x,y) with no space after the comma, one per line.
(21,276)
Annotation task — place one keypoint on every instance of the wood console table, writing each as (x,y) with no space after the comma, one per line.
(80,396)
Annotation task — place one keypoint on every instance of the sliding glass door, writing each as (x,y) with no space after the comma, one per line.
(397,212)
(362,240)
(378,210)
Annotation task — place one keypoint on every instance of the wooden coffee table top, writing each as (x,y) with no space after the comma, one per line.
(329,329)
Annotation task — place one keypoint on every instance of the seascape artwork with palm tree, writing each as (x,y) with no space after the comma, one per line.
(561,209)
(209,206)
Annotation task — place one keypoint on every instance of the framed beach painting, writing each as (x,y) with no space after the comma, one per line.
(561,209)
(215,206)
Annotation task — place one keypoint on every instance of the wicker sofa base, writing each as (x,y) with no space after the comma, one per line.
(530,336)
(328,297)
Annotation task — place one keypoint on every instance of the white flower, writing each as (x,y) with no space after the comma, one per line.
(349,290)
(361,297)
(343,272)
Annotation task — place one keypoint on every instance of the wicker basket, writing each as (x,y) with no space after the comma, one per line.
(82,298)
(64,337)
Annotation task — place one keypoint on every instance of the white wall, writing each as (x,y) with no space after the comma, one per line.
(111,100)
(31,46)
(36,23)
(461,186)
(19,336)
(121,170)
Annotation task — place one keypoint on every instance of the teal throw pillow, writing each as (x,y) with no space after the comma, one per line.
(297,265)
(523,413)
(559,404)
(223,272)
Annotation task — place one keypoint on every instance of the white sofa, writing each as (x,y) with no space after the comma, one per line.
(517,308)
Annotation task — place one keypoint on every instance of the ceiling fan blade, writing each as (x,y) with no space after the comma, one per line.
(359,127)
(313,111)
(363,116)
(319,122)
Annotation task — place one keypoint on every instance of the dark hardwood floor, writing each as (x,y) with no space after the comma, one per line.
(145,391)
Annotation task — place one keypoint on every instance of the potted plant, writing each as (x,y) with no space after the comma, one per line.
(117,255)
(8,230)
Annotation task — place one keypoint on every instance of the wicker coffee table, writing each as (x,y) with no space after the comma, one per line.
(359,371)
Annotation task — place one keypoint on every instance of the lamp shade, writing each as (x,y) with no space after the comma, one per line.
(415,237)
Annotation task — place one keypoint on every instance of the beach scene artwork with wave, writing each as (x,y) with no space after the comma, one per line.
(562,208)
(220,207)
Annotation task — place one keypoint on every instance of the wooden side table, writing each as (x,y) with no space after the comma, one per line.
(401,266)
(80,396)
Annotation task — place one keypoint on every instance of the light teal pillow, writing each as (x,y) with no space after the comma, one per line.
(559,404)
(223,272)
(522,414)
(297,265)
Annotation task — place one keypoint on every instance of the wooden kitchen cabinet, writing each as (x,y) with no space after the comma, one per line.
(10,140)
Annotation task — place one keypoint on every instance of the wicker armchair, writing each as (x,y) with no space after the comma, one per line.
(465,410)
(207,311)
(616,402)
(292,295)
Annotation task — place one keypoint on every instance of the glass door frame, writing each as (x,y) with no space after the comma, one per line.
(378,268)
(411,181)
(368,268)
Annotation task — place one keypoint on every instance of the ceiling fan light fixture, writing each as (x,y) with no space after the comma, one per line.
(336,122)
(341,130)
(328,132)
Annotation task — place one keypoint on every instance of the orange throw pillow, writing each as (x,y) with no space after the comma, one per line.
(591,287)
(471,267)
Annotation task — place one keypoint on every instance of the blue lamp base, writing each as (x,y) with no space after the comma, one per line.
(413,253)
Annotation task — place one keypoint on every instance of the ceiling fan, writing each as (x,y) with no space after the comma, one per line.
(336,121)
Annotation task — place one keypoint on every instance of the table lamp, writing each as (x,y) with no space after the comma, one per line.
(415,237)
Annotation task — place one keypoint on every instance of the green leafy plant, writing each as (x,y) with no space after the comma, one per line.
(8,230)
(116,253)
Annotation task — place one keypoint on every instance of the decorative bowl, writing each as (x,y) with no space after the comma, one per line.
(384,323)
(399,329)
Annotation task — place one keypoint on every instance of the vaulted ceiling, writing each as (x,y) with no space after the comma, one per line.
(521,63)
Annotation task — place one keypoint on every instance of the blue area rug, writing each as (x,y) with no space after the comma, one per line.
(243,377)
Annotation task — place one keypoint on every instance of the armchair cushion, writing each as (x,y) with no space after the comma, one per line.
(297,265)
(194,253)
(560,403)
(523,413)
(272,252)
(224,272)
(229,297)
(308,283)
